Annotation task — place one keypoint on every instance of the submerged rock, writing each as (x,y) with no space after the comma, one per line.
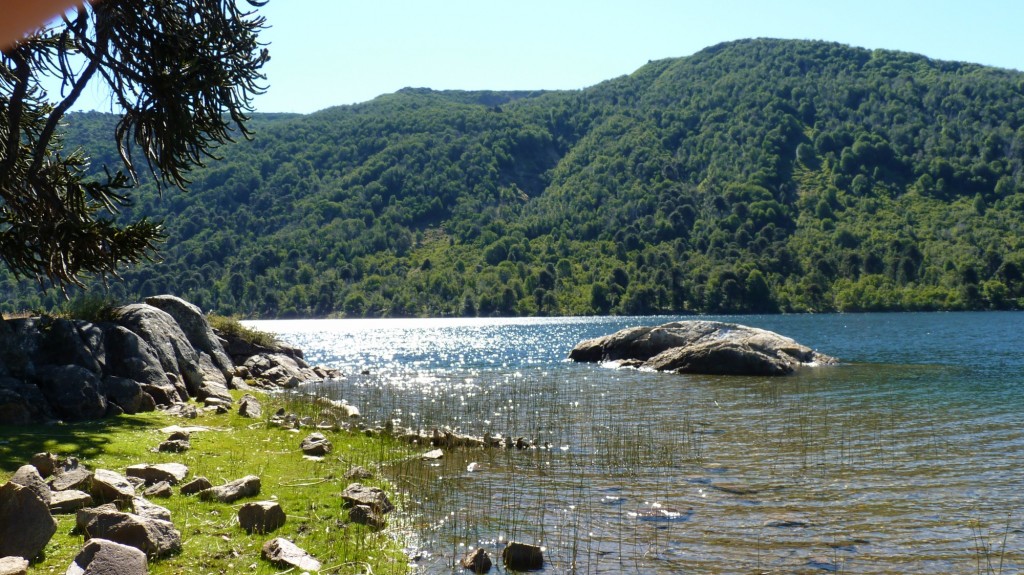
(707,347)
(477,561)
(523,557)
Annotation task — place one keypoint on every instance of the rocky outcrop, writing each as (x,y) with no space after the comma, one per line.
(154,354)
(172,347)
(707,347)
(199,333)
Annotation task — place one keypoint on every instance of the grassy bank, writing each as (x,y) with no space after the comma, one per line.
(308,491)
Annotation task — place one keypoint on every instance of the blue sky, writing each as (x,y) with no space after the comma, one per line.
(331,52)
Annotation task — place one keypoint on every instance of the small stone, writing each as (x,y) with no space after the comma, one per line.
(110,486)
(179,435)
(195,486)
(174,446)
(523,557)
(433,455)
(365,515)
(261,516)
(161,489)
(172,473)
(477,561)
(373,497)
(358,473)
(316,444)
(285,554)
(145,508)
(249,406)
(45,463)
(154,537)
(13,566)
(71,475)
(69,501)
(105,557)
(28,476)
(232,491)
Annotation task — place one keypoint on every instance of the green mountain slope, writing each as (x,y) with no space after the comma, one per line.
(754,176)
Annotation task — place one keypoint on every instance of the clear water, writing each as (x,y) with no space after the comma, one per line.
(905,459)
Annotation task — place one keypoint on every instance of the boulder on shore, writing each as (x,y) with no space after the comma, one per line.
(707,347)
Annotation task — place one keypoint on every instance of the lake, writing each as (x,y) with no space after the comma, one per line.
(907,458)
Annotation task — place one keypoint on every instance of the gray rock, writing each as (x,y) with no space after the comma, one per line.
(72,390)
(86,514)
(105,557)
(70,342)
(172,348)
(249,406)
(701,347)
(28,476)
(358,473)
(195,486)
(198,331)
(72,475)
(261,516)
(145,508)
(22,403)
(433,455)
(109,486)
(159,489)
(366,515)
(127,394)
(373,497)
(522,557)
(154,537)
(13,566)
(284,554)
(131,357)
(69,501)
(247,486)
(174,446)
(45,463)
(477,561)
(26,525)
(316,444)
(278,369)
(172,473)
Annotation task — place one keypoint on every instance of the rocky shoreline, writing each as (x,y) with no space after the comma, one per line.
(152,355)
(164,355)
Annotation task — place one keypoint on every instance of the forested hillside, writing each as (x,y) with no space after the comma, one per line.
(754,176)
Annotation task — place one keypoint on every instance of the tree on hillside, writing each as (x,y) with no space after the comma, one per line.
(183,72)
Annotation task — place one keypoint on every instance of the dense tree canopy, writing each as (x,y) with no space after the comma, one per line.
(754,176)
(182,71)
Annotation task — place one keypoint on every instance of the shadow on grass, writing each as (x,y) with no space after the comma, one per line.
(84,440)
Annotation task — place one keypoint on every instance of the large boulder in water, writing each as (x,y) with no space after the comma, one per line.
(708,347)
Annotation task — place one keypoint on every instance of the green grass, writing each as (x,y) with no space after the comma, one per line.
(212,541)
(231,326)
